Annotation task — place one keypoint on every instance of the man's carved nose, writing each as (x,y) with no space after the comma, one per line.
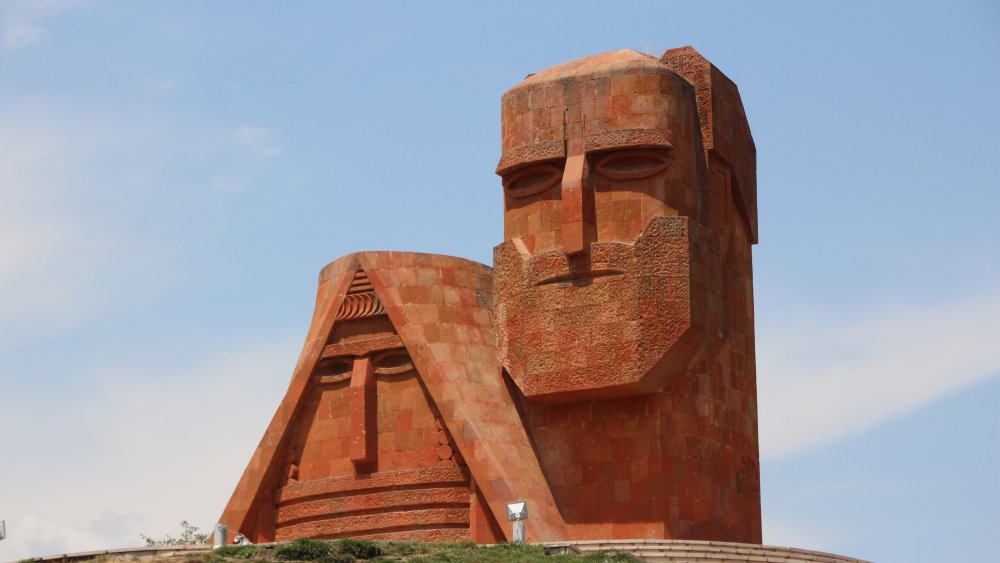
(579,223)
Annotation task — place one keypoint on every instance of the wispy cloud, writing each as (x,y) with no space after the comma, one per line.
(792,534)
(226,185)
(150,446)
(70,245)
(21,21)
(30,533)
(160,84)
(258,140)
(17,35)
(822,378)
(42,234)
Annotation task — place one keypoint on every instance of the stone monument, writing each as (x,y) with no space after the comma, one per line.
(623,296)
(603,370)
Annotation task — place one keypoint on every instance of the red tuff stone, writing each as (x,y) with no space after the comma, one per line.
(392,379)
(599,329)
(603,370)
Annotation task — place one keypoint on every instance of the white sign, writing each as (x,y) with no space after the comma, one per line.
(517,510)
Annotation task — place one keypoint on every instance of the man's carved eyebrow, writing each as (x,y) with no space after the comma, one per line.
(605,140)
(363,347)
(625,138)
(537,152)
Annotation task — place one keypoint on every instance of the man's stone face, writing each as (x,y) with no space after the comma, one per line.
(593,282)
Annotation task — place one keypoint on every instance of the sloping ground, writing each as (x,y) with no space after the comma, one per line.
(126,553)
(344,551)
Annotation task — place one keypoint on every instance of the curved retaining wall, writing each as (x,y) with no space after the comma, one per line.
(674,551)
(130,552)
(693,551)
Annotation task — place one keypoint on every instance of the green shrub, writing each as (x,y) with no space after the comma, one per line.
(359,549)
(304,549)
(190,535)
(237,551)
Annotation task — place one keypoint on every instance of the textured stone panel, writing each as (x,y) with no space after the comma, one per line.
(604,371)
(623,294)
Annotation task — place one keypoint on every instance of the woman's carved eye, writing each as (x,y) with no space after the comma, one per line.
(335,370)
(632,165)
(532,180)
(392,362)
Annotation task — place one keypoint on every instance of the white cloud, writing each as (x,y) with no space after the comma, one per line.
(791,534)
(823,378)
(226,185)
(68,246)
(131,448)
(258,140)
(123,527)
(145,448)
(17,35)
(20,21)
(160,84)
(42,236)
(30,534)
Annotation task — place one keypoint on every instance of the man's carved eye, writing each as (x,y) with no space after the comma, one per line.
(632,165)
(392,362)
(532,180)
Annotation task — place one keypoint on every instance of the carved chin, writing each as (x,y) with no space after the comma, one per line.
(619,328)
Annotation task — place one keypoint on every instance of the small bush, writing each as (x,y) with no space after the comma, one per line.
(190,535)
(359,549)
(304,549)
(237,551)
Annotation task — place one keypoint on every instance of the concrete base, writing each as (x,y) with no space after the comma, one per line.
(674,551)
(130,552)
(681,551)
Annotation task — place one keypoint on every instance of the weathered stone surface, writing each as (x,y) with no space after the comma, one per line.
(603,370)
(398,422)
(623,296)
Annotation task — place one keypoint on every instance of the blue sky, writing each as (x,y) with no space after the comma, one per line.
(173,175)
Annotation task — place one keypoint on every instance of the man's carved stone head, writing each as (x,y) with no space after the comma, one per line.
(596,284)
